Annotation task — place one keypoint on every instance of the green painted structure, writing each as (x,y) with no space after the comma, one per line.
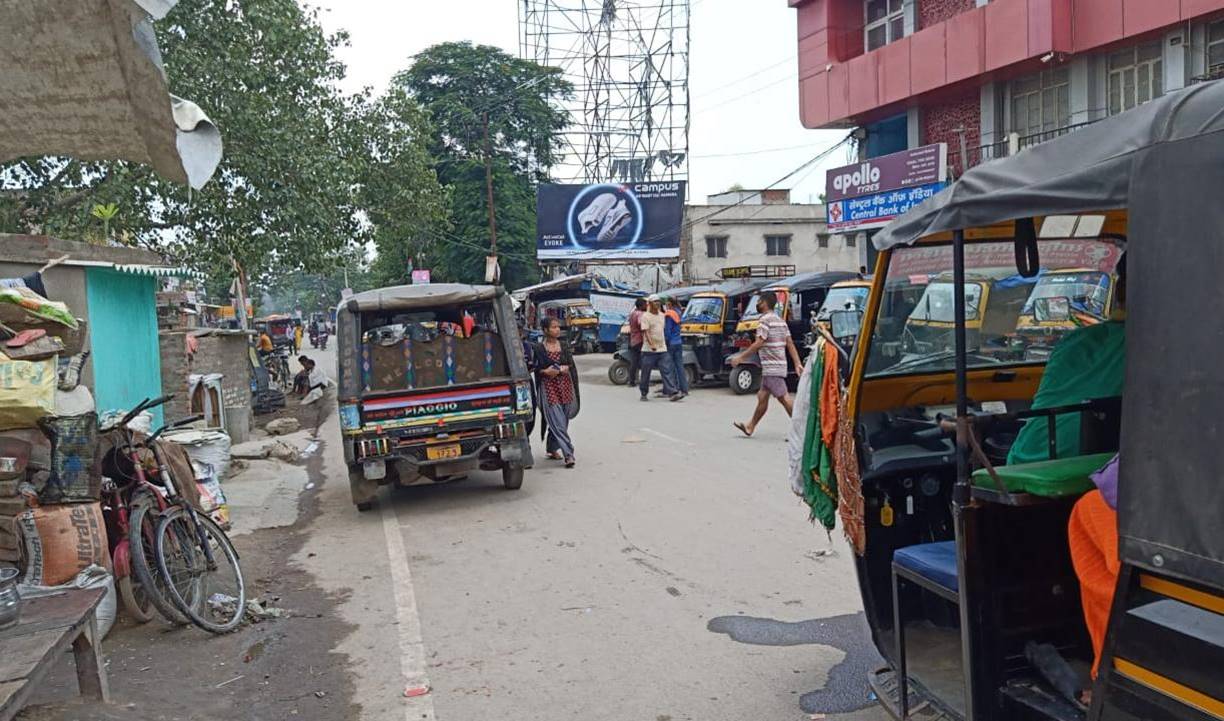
(123,337)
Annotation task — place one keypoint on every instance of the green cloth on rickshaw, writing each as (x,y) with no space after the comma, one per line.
(819,488)
(1089,363)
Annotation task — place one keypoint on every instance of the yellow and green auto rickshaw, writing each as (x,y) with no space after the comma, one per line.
(800,298)
(1062,301)
(579,322)
(709,323)
(963,547)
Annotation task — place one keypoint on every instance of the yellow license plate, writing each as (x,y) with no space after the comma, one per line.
(437,453)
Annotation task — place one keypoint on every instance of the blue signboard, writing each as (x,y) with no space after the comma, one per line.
(878,209)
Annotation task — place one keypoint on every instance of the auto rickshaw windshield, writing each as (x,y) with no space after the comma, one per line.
(913,330)
(581,310)
(846,298)
(1087,291)
(703,310)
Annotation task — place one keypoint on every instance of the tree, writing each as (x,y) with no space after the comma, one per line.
(284,197)
(461,86)
(404,203)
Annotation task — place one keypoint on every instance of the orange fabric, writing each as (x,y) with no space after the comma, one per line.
(1093,535)
(671,312)
(830,392)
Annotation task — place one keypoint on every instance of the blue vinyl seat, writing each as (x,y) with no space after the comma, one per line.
(935,562)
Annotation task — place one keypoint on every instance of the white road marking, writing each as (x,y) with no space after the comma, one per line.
(412,646)
(666,437)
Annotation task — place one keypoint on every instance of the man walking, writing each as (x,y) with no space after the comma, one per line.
(654,349)
(675,348)
(635,339)
(773,343)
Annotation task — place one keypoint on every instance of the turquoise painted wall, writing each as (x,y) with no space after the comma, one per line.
(123,338)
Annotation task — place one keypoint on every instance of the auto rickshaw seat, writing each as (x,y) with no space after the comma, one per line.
(1050,479)
(933,562)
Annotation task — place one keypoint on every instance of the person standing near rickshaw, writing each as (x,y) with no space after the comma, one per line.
(635,340)
(675,348)
(557,378)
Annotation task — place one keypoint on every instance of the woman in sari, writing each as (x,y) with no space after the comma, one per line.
(557,381)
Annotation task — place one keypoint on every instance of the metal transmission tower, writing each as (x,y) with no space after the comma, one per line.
(629,63)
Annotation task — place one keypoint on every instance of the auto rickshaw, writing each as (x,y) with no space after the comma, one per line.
(963,561)
(579,322)
(994,299)
(800,298)
(432,384)
(708,324)
(279,328)
(1062,301)
(844,295)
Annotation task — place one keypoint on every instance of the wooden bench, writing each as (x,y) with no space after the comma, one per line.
(48,626)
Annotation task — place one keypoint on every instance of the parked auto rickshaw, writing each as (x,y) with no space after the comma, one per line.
(1062,301)
(708,325)
(964,561)
(432,383)
(579,322)
(618,370)
(994,299)
(799,298)
(844,295)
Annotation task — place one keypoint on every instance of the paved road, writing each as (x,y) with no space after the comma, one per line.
(671,575)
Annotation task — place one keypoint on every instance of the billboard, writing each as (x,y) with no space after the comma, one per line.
(871,193)
(609,221)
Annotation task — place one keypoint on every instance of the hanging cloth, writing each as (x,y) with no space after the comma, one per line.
(819,490)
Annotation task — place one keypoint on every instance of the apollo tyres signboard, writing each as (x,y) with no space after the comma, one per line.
(871,193)
(609,221)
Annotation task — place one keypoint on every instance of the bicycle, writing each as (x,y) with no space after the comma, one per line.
(185,564)
(132,507)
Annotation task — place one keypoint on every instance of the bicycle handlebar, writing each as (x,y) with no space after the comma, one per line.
(176,424)
(144,405)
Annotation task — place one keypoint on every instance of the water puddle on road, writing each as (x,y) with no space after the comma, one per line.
(846,689)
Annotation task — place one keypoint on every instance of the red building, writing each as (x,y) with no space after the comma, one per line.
(988,77)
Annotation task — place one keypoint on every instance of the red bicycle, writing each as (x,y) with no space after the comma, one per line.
(133,505)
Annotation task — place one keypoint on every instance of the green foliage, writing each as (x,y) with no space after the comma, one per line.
(458,84)
(286,195)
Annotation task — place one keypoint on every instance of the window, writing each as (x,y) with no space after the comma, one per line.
(1215,47)
(850,239)
(1135,76)
(777,245)
(716,246)
(1041,102)
(885,22)
(822,240)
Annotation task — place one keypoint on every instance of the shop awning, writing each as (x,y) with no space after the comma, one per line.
(84,79)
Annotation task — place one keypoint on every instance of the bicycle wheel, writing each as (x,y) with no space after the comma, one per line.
(141,531)
(201,568)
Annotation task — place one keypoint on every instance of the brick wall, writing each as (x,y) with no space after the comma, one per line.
(933,12)
(224,353)
(940,122)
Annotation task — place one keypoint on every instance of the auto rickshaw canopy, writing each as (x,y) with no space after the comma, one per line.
(408,297)
(1162,162)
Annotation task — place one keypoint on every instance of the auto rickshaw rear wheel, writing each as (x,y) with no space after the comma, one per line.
(618,372)
(512,477)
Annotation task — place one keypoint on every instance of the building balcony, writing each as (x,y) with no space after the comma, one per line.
(1013,143)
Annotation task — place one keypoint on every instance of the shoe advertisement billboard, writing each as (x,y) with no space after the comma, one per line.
(609,221)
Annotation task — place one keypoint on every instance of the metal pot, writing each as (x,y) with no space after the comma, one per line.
(10,599)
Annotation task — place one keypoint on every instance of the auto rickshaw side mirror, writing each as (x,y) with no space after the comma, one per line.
(845,324)
(1052,309)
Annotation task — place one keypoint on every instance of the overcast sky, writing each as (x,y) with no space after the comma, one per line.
(743,74)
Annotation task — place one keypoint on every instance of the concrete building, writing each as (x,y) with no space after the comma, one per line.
(775,232)
(990,77)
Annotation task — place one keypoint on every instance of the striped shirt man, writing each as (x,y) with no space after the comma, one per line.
(774,331)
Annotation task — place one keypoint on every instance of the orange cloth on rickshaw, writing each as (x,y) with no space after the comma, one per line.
(1093,535)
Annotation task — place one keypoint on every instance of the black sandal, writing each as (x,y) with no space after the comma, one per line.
(569,462)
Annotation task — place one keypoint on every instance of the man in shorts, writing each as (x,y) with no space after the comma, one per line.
(773,343)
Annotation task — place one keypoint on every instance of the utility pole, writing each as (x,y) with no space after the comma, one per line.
(489,186)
